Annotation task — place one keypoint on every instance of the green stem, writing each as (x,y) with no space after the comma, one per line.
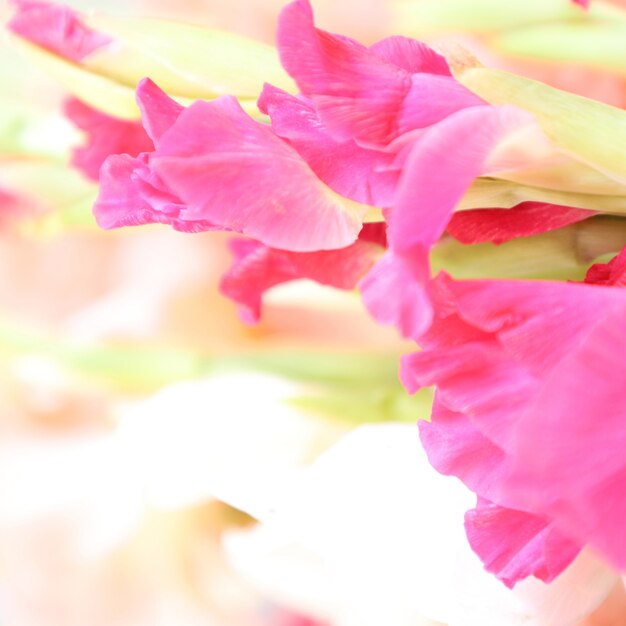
(563,254)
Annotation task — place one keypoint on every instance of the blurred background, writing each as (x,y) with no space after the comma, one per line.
(136,410)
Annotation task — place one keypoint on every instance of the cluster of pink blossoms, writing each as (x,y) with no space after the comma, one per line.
(529,408)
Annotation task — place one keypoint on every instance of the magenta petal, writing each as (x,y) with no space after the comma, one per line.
(411,55)
(55,28)
(500,225)
(395,292)
(158,110)
(440,168)
(435,177)
(257,268)
(131,194)
(369,95)
(478,380)
(215,167)
(106,135)
(524,313)
(356,92)
(431,99)
(232,171)
(347,168)
(120,201)
(456,447)
(577,421)
(514,545)
(529,409)
(517,316)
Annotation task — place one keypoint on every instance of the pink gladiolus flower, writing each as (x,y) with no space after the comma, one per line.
(215,167)
(435,177)
(158,111)
(514,414)
(515,544)
(379,126)
(106,135)
(372,94)
(358,173)
(55,28)
(257,268)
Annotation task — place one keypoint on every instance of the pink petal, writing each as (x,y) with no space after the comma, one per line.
(531,424)
(119,201)
(577,420)
(430,99)
(514,545)
(523,313)
(358,94)
(411,55)
(515,314)
(350,170)
(476,379)
(435,177)
(55,28)
(158,110)
(395,292)
(234,172)
(362,91)
(131,194)
(215,167)
(257,268)
(523,220)
(105,135)
(455,447)
(437,172)
(611,273)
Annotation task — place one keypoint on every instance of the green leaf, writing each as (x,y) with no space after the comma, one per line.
(494,193)
(97,90)
(101,91)
(591,132)
(563,254)
(185,60)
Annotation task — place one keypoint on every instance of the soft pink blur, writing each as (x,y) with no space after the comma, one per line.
(154,288)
